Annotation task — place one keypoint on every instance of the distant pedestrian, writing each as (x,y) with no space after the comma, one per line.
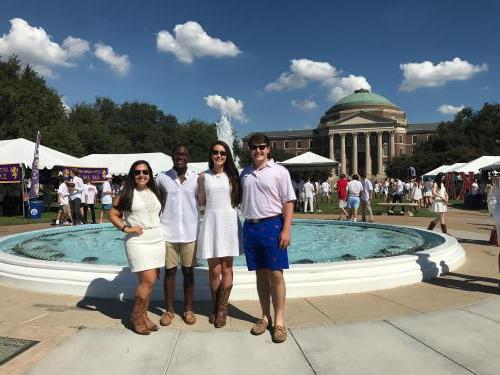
(107,197)
(309,196)
(75,197)
(342,196)
(440,200)
(354,189)
(64,214)
(89,205)
(366,197)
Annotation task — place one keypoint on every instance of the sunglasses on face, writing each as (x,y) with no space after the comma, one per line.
(217,152)
(138,172)
(260,147)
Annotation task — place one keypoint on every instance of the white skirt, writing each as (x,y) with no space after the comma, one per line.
(438,206)
(147,251)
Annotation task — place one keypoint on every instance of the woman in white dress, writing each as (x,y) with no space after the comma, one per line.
(136,212)
(440,199)
(219,190)
(416,192)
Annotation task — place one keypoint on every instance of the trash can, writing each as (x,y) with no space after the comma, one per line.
(35,209)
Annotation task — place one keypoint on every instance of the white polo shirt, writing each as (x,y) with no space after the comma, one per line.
(180,217)
(79,188)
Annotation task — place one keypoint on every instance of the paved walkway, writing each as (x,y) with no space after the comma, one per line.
(449,325)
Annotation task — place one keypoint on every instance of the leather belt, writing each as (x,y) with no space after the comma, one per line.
(256,221)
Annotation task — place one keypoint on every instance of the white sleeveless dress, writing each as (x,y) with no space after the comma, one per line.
(220,231)
(438,204)
(146,251)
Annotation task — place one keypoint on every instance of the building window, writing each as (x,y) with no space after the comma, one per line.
(400,151)
(299,144)
(384,149)
(287,145)
(401,139)
(415,139)
(273,144)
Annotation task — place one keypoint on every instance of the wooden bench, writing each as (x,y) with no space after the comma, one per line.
(404,206)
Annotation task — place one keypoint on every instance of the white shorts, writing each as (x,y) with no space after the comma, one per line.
(342,204)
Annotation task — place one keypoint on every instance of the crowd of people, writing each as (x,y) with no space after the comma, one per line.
(160,221)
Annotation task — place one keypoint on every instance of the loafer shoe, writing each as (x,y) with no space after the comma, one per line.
(260,327)
(279,334)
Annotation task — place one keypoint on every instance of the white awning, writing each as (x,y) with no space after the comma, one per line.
(21,151)
(476,164)
(437,170)
(309,158)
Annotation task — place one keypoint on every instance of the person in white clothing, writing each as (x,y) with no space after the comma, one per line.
(439,202)
(354,189)
(309,196)
(75,197)
(325,191)
(366,197)
(219,191)
(136,212)
(179,221)
(106,197)
(89,198)
(64,214)
(301,195)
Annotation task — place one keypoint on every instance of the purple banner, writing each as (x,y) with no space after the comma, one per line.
(10,173)
(93,174)
(35,174)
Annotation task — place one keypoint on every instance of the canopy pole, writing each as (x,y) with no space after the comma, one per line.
(22,189)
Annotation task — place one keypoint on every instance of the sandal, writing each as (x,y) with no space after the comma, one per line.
(167,318)
(189,317)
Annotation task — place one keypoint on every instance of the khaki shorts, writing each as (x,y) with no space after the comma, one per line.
(185,250)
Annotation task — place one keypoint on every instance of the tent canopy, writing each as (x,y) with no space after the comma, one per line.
(309,158)
(476,164)
(20,151)
(119,164)
(452,167)
(437,170)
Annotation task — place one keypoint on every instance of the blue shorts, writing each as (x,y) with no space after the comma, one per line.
(353,202)
(106,206)
(261,245)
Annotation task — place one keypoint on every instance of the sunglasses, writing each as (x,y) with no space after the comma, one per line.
(138,172)
(260,147)
(217,152)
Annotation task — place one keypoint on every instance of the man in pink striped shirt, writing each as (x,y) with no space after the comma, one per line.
(267,205)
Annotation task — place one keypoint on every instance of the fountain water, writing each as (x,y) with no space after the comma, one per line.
(225,133)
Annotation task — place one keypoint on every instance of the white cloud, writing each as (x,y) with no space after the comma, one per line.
(303,71)
(426,74)
(305,105)
(34,46)
(120,64)
(192,41)
(447,109)
(229,107)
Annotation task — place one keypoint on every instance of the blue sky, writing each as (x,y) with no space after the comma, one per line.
(320,49)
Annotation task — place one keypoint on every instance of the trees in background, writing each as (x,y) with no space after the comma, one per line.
(470,135)
(27,104)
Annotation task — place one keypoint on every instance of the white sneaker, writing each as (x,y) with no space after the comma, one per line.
(57,222)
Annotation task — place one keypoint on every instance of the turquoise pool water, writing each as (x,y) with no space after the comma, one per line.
(314,241)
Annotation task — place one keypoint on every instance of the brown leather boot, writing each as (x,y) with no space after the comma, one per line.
(444,229)
(223,301)
(137,316)
(431,225)
(215,302)
(149,323)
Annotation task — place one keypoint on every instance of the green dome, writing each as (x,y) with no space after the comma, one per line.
(363,97)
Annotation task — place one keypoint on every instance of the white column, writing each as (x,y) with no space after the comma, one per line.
(380,153)
(331,149)
(342,154)
(392,145)
(354,153)
(368,157)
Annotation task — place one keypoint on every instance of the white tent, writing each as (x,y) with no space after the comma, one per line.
(309,158)
(198,166)
(452,167)
(119,164)
(437,170)
(20,151)
(476,164)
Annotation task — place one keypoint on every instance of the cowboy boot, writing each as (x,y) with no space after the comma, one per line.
(431,225)
(223,301)
(443,229)
(137,316)
(149,323)
(215,302)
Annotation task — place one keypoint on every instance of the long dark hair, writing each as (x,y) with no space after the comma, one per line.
(231,172)
(127,194)
(439,180)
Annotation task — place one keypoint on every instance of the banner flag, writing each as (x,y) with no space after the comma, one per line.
(35,173)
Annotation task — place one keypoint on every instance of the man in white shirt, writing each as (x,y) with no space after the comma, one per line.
(64,213)
(398,194)
(89,199)
(309,196)
(75,197)
(301,195)
(354,189)
(366,197)
(179,221)
(106,197)
(325,191)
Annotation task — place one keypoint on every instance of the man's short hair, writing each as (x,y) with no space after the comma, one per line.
(180,145)
(355,177)
(342,175)
(363,175)
(258,139)
(75,172)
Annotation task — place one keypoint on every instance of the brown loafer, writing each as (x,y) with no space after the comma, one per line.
(279,334)
(260,327)
(167,318)
(189,317)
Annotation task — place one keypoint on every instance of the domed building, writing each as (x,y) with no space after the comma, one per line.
(362,131)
